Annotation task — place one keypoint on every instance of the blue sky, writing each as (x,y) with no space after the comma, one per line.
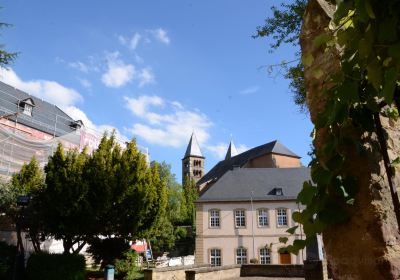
(157,71)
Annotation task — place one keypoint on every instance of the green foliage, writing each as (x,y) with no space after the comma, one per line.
(106,251)
(43,266)
(7,258)
(190,194)
(6,58)
(128,266)
(366,85)
(112,192)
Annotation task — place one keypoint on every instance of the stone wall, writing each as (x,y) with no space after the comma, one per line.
(168,273)
(272,270)
(214,273)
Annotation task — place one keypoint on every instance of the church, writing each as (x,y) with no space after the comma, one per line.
(245,204)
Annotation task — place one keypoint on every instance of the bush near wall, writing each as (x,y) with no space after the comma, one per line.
(42,266)
(7,258)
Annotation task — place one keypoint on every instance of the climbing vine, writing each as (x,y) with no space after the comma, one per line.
(365,35)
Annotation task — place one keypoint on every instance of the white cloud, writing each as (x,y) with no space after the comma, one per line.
(85,83)
(55,93)
(50,91)
(171,129)
(79,66)
(118,73)
(131,43)
(145,76)
(161,35)
(219,150)
(140,105)
(249,90)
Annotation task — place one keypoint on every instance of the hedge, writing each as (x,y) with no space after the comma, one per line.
(43,266)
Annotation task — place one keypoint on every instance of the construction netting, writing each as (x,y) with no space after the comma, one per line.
(17,149)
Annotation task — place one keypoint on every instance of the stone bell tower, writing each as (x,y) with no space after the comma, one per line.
(193,161)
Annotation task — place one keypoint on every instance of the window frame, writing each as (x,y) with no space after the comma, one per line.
(27,109)
(285,217)
(241,218)
(243,257)
(261,256)
(215,257)
(210,217)
(258,217)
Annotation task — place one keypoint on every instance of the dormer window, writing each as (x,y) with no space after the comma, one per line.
(278,191)
(76,124)
(27,105)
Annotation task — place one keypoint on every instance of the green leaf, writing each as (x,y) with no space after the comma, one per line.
(292,230)
(348,91)
(322,39)
(369,9)
(306,194)
(283,240)
(395,162)
(389,85)
(375,74)
(297,217)
(299,244)
(307,59)
(317,73)
(321,176)
(394,51)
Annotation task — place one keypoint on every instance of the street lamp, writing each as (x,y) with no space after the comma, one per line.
(22,201)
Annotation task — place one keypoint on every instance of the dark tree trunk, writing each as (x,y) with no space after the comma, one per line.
(367,246)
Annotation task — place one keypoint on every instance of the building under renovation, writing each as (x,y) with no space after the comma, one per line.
(30,126)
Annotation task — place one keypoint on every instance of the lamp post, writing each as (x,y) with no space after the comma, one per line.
(252,223)
(19,265)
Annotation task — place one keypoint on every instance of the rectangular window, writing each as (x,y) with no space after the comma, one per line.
(240,218)
(281,217)
(215,257)
(241,255)
(214,218)
(27,110)
(262,217)
(265,257)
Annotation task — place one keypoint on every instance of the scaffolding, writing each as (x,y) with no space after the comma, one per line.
(22,136)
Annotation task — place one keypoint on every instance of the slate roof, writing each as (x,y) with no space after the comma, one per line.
(193,148)
(238,184)
(44,115)
(240,160)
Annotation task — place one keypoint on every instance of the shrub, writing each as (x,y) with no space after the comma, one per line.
(7,258)
(106,251)
(129,266)
(43,266)
(254,261)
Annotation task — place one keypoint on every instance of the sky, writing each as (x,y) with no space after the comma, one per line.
(158,71)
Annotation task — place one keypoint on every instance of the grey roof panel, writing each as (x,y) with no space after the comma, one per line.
(238,184)
(45,117)
(193,148)
(241,159)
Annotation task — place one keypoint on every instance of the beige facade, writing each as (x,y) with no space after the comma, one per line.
(228,237)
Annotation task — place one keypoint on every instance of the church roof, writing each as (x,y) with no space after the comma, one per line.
(274,147)
(193,148)
(242,184)
(231,151)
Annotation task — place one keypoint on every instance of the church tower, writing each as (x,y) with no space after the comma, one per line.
(193,161)
(231,151)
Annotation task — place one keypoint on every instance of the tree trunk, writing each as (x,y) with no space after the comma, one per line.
(367,246)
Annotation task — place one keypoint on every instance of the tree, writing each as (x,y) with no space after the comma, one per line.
(66,206)
(29,181)
(350,53)
(112,193)
(190,195)
(6,58)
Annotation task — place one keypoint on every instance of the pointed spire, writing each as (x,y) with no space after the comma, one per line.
(193,148)
(231,151)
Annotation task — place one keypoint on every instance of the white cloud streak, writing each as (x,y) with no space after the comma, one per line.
(171,129)
(118,73)
(249,90)
(132,43)
(161,35)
